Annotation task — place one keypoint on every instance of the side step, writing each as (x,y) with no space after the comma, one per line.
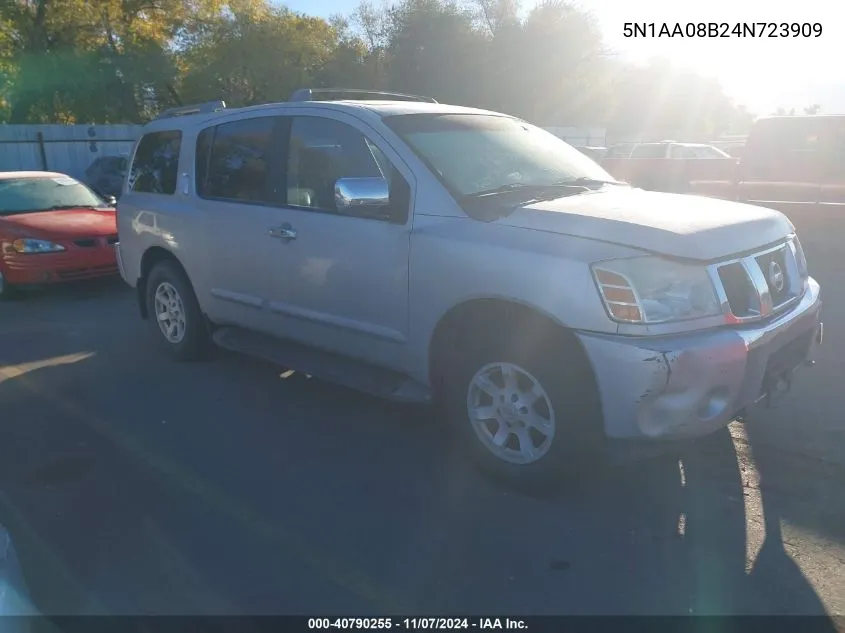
(323,365)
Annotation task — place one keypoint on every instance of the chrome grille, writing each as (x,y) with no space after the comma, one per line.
(760,284)
(740,293)
(774,266)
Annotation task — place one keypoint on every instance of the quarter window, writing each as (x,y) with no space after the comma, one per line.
(156,163)
(649,151)
(233,159)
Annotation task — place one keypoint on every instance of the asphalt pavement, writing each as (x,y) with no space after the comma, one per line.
(132,484)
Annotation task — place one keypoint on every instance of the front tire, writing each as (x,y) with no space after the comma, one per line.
(527,415)
(174,313)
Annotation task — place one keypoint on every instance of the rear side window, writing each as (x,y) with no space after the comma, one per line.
(681,151)
(619,151)
(705,151)
(156,163)
(233,159)
(649,151)
(695,151)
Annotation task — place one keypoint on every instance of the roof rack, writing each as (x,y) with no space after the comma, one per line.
(197,108)
(331,94)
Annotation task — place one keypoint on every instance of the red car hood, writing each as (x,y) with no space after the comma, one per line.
(65,224)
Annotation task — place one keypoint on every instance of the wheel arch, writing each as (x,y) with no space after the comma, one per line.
(149,259)
(473,314)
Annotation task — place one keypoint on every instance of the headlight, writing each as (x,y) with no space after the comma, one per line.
(655,290)
(800,259)
(36,246)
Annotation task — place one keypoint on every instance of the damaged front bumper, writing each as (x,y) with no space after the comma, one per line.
(689,385)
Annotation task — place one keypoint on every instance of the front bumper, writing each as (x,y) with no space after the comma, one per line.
(689,385)
(45,268)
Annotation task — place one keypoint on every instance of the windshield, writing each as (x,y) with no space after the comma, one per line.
(649,150)
(25,195)
(708,151)
(476,153)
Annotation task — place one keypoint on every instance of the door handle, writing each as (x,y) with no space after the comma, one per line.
(285,232)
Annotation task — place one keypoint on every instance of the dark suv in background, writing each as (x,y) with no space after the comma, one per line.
(105,175)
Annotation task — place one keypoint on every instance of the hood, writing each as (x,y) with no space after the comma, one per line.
(669,224)
(65,224)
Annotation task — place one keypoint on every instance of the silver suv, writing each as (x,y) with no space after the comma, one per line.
(422,251)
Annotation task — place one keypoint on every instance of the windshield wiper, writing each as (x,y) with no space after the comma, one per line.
(511,186)
(583,181)
(538,190)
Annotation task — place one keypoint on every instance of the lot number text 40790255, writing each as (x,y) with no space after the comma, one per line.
(419,623)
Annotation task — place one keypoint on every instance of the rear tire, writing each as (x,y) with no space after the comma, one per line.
(504,396)
(174,313)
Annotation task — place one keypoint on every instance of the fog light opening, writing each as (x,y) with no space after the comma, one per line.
(714,403)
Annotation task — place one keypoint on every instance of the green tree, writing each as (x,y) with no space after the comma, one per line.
(559,63)
(7,70)
(125,60)
(660,100)
(434,49)
(105,60)
(258,53)
(495,15)
(373,25)
(351,63)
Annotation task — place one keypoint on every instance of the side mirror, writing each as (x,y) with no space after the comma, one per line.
(367,196)
(110,200)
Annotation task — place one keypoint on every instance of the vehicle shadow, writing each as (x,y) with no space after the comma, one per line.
(70,291)
(734,555)
(676,535)
(801,494)
(132,484)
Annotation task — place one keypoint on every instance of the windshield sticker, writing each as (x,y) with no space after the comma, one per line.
(64,180)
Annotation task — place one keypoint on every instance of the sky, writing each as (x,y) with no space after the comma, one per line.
(760,73)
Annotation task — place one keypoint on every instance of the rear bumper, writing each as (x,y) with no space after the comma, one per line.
(686,386)
(46,268)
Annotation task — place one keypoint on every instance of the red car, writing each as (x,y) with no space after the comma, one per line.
(53,229)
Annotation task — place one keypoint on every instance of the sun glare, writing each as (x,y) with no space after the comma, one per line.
(759,72)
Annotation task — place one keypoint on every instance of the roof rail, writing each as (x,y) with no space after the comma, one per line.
(331,94)
(197,108)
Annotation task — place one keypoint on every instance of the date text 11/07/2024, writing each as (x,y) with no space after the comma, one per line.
(722,29)
(420,623)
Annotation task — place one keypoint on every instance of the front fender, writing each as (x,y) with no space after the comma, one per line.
(455,260)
